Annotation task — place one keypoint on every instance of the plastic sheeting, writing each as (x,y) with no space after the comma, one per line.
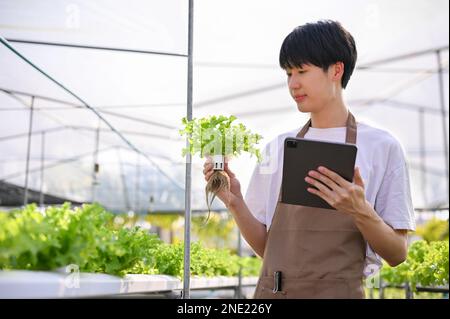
(143,95)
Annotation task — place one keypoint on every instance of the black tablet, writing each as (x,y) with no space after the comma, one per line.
(301,156)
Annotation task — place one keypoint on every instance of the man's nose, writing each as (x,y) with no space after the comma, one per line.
(293,82)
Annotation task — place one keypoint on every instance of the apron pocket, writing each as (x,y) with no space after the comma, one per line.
(264,290)
(317,289)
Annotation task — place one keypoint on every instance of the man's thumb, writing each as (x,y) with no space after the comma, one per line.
(357,179)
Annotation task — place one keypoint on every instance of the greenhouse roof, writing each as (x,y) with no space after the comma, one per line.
(107,82)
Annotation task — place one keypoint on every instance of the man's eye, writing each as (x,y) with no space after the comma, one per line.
(301,71)
(288,74)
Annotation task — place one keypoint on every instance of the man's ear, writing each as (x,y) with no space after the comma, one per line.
(338,71)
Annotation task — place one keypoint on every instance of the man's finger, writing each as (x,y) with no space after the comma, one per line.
(325,180)
(333,176)
(357,179)
(321,195)
(321,187)
(208,175)
(207,163)
(207,167)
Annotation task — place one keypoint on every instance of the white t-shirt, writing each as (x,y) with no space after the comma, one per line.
(383,168)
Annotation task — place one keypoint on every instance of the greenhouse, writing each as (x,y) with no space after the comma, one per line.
(102,188)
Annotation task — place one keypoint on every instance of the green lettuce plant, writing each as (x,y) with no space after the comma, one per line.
(219,137)
(34,239)
(426,265)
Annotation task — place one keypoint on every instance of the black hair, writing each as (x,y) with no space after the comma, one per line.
(322,44)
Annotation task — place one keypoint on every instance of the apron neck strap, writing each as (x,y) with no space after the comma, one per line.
(350,136)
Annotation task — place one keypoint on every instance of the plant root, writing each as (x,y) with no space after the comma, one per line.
(217,183)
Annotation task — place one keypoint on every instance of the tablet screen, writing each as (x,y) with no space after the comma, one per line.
(301,156)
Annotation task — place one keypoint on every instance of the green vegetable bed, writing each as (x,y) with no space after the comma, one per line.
(426,266)
(87,237)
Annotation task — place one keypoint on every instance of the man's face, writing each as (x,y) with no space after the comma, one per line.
(311,87)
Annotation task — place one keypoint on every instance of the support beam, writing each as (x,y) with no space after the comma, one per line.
(444,117)
(187,196)
(27,165)
(91,47)
(41,189)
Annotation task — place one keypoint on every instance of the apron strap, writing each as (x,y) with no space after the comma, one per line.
(350,136)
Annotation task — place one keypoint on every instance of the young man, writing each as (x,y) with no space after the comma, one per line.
(312,252)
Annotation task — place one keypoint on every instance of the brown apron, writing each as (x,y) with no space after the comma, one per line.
(313,252)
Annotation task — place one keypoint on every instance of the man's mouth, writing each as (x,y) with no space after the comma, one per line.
(299,98)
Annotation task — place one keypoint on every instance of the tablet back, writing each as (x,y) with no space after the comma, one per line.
(301,156)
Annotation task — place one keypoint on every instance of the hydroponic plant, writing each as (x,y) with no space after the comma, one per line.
(219,138)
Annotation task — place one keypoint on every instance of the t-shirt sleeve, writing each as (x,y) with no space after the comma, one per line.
(393,202)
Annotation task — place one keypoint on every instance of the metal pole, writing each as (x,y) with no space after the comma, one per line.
(408,291)
(239,288)
(27,169)
(137,184)
(381,289)
(422,145)
(95,167)
(41,192)
(124,182)
(444,117)
(187,196)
